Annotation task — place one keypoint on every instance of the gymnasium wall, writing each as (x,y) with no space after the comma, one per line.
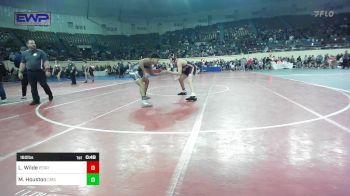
(123,25)
(129,25)
(59,23)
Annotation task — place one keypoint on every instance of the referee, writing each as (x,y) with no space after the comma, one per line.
(37,64)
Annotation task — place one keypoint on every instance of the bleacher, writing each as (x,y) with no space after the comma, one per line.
(245,36)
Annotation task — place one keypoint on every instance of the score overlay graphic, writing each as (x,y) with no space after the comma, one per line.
(57,169)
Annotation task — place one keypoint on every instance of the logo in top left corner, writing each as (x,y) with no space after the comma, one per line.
(33,18)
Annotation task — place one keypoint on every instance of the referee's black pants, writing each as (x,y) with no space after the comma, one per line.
(38,76)
(24,83)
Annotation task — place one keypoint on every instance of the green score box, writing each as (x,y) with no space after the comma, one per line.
(93,179)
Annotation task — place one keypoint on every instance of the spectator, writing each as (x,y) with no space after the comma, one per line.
(57,70)
(299,63)
(73,73)
(346,60)
(24,81)
(243,64)
(3,72)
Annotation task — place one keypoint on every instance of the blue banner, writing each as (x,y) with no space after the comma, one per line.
(33,18)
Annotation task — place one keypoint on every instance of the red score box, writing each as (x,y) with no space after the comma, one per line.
(93,167)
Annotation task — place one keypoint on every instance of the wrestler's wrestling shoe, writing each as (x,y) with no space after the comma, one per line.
(146,97)
(182,93)
(145,104)
(191,98)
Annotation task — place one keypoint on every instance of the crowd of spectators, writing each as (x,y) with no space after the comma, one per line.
(249,36)
(305,62)
(245,36)
(120,69)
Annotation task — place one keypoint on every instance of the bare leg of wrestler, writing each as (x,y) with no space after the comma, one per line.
(182,84)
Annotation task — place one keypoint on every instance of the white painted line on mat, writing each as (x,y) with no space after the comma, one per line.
(83,90)
(37,112)
(308,83)
(197,94)
(326,74)
(20,191)
(328,87)
(25,194)
(323,117)
(66,103)
(306,108)
(35,194)
(207,131)
(11,117)
(186,154)
(313,84)
(63,132)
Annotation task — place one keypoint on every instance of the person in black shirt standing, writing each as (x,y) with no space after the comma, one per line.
(299,62)
(37,65)
(346,60)
(73,72)
(2,90)
(120,69)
